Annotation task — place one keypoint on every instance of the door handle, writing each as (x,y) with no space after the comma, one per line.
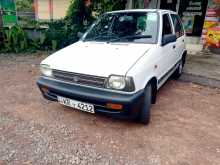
(174,46)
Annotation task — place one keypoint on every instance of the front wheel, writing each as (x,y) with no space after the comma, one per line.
(144,116)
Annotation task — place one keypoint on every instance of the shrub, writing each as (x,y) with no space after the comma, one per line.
(59,33)
(102,6)
(55,36)
(15,39)
(64,32)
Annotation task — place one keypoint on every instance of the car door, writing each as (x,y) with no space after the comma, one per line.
(167,51)
(180,42)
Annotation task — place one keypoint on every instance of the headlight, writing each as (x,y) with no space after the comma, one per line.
(120,83)
(46,70)
(116,82)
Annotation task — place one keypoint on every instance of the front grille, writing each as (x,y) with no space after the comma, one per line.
(80,79)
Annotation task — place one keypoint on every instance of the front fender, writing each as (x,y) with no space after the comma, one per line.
(145,69)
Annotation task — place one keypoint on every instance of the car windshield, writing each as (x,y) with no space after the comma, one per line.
(138,27)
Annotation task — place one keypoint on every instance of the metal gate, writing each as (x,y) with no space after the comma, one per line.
(7,13)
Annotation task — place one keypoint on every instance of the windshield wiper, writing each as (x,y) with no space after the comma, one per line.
(131,37)
(102,35)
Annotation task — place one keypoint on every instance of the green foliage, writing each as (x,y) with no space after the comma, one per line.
(76,12)
(15,40)
(78,17)
(25,11)
(59,33)
(24,5)
(102,6)
(64,32)
(55,36)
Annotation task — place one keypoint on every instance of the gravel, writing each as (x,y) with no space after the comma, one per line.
(185,126)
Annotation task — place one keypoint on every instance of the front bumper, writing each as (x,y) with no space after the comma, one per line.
(98,97)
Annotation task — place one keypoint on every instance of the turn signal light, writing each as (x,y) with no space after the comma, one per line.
(114,106)
(45,90)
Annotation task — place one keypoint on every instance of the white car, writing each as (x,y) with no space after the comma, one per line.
(118,65)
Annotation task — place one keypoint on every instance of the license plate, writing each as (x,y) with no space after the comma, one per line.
(76,104)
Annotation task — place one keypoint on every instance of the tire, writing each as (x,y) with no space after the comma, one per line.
(144,115)
(178,72)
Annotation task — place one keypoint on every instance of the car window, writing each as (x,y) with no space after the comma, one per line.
(167,28)
(177,25)
(102,26)
(138,27)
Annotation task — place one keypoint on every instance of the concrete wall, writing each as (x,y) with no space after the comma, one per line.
(60,8)
(51,9)
(43,9)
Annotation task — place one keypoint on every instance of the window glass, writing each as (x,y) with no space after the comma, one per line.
(101,26)
(177,25)
(139,27)
(167,28)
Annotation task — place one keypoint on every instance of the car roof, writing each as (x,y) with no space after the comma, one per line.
(160,11)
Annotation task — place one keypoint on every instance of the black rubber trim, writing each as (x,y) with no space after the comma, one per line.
(98,97)
(88,93)
(167,73)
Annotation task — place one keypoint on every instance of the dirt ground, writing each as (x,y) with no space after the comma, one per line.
(185,126)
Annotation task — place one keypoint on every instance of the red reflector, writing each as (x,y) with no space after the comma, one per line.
(114,106)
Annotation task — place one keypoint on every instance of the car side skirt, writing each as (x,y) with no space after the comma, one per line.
(167,75)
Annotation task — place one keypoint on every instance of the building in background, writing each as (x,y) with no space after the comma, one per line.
(211,28)
(51,9)
(193,14)
(196,15)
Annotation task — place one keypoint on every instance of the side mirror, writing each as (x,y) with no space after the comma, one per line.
(80,34)
(168,39)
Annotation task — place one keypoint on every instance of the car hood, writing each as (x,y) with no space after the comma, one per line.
(98,59)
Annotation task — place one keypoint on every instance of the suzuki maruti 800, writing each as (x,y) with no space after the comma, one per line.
(118,65)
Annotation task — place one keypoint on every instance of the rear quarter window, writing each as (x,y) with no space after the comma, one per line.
(179,31)
(167,27)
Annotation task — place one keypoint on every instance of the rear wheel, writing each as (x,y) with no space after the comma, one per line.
(178,71)
(144,116)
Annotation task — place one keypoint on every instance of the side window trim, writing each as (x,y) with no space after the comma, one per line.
(179,22)
(170,22)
